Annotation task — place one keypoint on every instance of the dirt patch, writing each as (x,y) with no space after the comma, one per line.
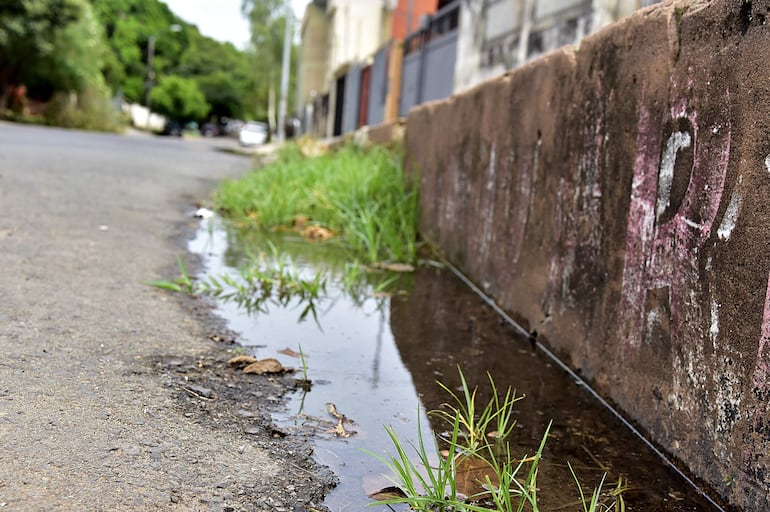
(218,397)
(223,398)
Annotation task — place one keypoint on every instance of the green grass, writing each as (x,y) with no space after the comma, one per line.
(264,279)
(360,195)
(509,484)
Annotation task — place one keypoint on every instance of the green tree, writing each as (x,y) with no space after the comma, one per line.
(76,62)
(29,30)
(268,22)
(221,71)
(179,98)
(129,25)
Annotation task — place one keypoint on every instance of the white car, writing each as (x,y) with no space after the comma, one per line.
(253,134)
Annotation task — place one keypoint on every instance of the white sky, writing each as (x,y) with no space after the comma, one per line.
(221,19)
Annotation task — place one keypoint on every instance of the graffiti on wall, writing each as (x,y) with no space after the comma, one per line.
(677,189)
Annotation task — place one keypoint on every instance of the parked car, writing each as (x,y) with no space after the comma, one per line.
(253,134)
(172,128)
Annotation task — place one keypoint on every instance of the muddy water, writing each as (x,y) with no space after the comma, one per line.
(378,359)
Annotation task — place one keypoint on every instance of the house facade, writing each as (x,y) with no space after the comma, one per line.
(496,36)
(382,57)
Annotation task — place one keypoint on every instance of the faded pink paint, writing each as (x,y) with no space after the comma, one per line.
(579,211)
(641,229)
(762,368)
(667,255)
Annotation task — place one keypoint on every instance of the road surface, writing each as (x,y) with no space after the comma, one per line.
(87,422)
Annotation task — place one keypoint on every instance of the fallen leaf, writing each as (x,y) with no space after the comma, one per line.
(339,429)
(300,221)
(268,365)
(241,361)
(289,352)
(316,233)
(388,493)
(394,267)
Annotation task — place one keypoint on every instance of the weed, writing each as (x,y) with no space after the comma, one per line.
(500,478)
(476,421)
(260,282)
(183,283)
(360,194)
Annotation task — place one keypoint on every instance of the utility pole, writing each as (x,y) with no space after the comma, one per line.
(150,71)
(284,76)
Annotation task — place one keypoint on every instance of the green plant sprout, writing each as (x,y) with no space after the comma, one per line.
(507,485)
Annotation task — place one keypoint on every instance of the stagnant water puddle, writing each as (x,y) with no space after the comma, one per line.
(377,359)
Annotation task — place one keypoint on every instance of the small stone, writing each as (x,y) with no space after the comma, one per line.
(202,391)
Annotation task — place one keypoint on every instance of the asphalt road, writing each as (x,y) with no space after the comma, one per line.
(85,424)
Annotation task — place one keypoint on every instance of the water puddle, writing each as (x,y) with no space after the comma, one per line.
(377,359)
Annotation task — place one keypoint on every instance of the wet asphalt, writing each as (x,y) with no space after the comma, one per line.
(85,424)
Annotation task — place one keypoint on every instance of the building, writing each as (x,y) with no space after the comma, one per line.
(365,62)
(312,63)
(495,36)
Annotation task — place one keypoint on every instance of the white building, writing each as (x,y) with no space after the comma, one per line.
(498,35)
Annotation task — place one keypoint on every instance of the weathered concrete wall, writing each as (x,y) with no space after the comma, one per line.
(615,198)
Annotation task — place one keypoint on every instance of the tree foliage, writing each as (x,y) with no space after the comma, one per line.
(179,98)
(66,46)
(268,22)
(29,32)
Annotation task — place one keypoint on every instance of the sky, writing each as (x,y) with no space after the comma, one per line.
(221,19)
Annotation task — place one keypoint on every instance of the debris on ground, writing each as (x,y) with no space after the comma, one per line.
(339,429)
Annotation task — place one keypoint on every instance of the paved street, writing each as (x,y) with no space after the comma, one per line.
(85,423)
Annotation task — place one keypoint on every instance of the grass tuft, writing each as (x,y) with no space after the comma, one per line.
(505,484)
(360,194)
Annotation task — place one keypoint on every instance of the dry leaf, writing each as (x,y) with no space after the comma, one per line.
(300,221)
(268,365)
(317,233)
(388,493)
(394,267)
(289,352)
(339,429)
(241,361)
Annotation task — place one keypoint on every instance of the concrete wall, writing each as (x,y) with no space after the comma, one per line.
(614,197)
(499,35)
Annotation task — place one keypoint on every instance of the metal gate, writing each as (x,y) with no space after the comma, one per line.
(429,60)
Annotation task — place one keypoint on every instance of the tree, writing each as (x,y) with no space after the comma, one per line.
(268,22)
(28,33)
(129,25)
(223,73)
(179,98)
(76,62)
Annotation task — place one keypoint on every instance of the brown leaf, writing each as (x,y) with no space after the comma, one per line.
(388,493)
(300,221)
(394,267)
(317,233)
(289,352)
(268,365)
(241,361)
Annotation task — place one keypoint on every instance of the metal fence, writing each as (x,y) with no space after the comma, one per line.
(429,59)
